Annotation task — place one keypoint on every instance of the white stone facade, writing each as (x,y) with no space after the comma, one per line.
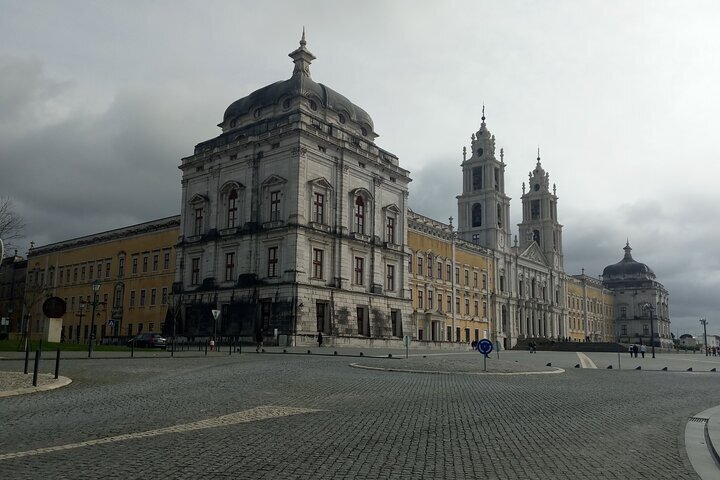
(293,221)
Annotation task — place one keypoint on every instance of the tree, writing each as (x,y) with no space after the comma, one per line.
(11,223)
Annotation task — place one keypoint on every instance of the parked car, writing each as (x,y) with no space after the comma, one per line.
(149,340)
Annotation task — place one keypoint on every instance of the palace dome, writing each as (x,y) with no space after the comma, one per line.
(300,84)
(627,267)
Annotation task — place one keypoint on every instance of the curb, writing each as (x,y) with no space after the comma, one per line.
(58,383)
(702,438)
(441,372)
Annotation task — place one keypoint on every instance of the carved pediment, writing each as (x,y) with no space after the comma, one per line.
(392,208)
(533,253)
(273,180)
(230,185)
(198,199)
(322,183)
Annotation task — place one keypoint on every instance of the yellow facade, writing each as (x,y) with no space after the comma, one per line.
(449,281)
(135,267)
(591,310)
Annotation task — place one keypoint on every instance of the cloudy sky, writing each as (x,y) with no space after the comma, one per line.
(100,100)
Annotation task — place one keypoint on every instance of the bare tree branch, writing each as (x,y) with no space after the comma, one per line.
(11,224)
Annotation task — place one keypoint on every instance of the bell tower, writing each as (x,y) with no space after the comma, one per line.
(539,216)
(483,207)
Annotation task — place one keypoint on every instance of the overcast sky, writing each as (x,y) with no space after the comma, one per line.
(100,100)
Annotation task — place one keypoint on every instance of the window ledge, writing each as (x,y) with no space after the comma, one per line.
(320,226)
(275,224)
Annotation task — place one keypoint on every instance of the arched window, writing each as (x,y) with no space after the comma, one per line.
(360,214)
(477,215)
(232,208)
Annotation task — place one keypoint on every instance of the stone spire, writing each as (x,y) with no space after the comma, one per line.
(302,58)
(627,249)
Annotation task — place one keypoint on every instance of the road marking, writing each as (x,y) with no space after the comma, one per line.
(253,415)
(585,361)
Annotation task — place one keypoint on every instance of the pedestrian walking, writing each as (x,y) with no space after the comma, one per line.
(320,339)
(635,350)
(642,350)
(630,350)
(258,341)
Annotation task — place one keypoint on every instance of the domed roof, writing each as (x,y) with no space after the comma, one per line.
(627,267)
(299,84)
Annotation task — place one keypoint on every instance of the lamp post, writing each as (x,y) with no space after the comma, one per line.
(95,287)
(650,309)
(704,324)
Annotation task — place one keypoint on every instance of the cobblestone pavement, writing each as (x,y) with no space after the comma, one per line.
(158,418)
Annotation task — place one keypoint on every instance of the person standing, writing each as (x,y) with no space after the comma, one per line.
(320,339)
(635,350)
(258,341)
(642,350)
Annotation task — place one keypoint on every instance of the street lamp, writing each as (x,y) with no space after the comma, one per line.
(95,287)
(650,309)
(704,324)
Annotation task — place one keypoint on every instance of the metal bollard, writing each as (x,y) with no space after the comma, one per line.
(230,347)
(206,346)
(27,357)
(132,349)
(35,370)
(57,363)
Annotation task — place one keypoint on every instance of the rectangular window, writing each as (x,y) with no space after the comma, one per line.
(467,278)
(195,272)
(121,267)
(317,263)
(457,276)
(467,306)
(142,297)
(232,209)
(274,206)
(484,309)
(359,264)
(623,330)
(107,269)
(198,227)
(319,208)
(164,298)
(448,272)
(477,307)
(419,265)
(166,260)
(82,274)
(92,271)
(135,265)
(132,298)
(272,261)
(72,303)
(623,312)
(153,297)
(156,262)
(449,303)
(145,264)
(430,300)
(390,230)
(229,266)
(99,270)
(410,262)
(429,266)
(75,275)
(475,279)
(390,283)
(360,215)
(118,298)
(457,305)
(421,304)
(130,329)
(439,302)
(502,283)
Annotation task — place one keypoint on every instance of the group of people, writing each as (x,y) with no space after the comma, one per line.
(532,347)
(635,349)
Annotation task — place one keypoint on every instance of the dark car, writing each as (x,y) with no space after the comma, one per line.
(149,340)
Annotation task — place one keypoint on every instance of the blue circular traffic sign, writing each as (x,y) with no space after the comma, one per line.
(485,346)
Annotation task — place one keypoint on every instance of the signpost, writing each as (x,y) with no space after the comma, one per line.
(485,347)
(406,342)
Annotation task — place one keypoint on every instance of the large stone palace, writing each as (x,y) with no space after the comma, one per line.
(294,221)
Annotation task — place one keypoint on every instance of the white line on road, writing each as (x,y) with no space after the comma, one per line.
(585,361)
(252,415)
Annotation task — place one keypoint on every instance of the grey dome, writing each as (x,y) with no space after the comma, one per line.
(300,84)
(627,267)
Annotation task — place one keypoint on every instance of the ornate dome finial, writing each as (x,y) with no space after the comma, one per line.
(464,153)
(483,115)
(302,58)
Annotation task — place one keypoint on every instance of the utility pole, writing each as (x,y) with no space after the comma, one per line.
(704,324)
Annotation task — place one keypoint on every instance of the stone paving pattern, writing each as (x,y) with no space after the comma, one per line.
(581,424)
